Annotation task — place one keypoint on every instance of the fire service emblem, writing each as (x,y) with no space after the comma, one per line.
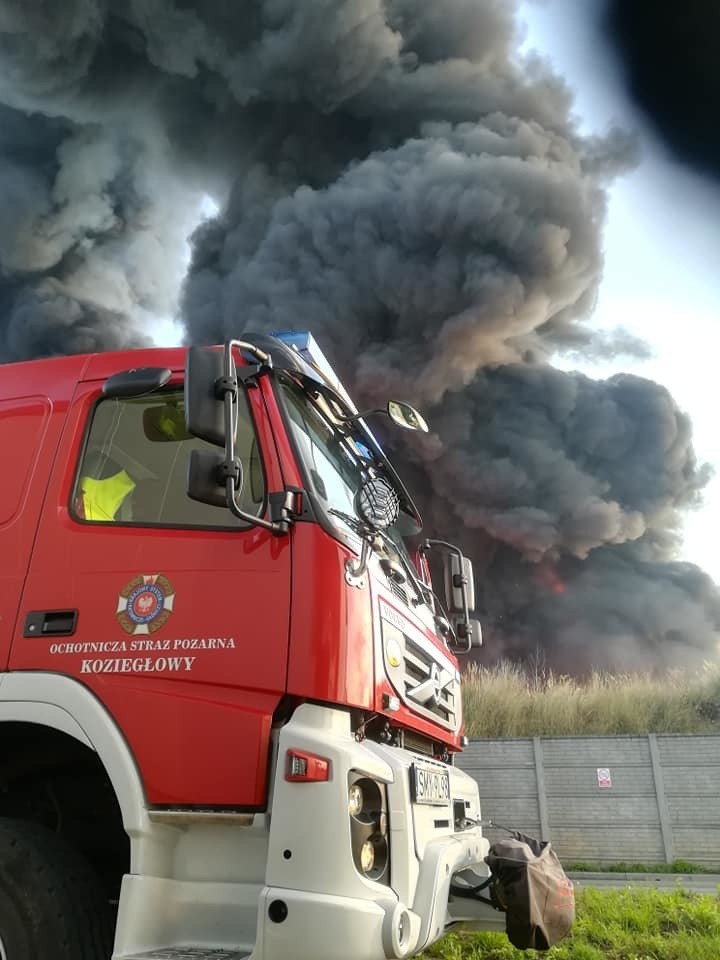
(145,604)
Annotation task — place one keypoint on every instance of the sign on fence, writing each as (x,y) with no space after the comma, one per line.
(604,778)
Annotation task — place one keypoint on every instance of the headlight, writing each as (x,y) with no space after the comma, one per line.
(367,856)
(374,857)
(368,813)
(355,800)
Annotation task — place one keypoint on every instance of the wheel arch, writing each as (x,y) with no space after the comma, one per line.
(65,705)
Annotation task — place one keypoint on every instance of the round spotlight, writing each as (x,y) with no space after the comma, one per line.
(377,503)
(355,800)
(367,856)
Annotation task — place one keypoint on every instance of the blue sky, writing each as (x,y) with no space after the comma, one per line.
(662,249)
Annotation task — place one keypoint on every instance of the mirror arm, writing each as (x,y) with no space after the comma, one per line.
(226,385)
(278,527)
(264,359)
(227,388)
(229,471)
(464,632)
(361,416)
(283,508)
(232,375)
(355,569)
(249,375)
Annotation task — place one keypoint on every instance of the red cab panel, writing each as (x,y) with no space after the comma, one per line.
(331,646)
(32,414)
(181,633)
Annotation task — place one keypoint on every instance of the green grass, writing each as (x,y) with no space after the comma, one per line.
(677,866)
(613,925)
(509,701)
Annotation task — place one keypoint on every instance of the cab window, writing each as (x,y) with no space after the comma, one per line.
(134,466)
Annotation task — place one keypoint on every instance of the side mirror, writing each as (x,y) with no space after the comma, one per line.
(205,478)
(459,574)
(211,396)
(406,416)
(400,413)
(469,635)
(204,406)
(459,594)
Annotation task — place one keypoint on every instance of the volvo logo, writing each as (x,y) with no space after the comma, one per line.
(437,686)
(429,692)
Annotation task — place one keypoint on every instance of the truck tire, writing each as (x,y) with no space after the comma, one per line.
(51,903)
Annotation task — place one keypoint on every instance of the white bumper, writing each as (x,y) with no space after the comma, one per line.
(317,905)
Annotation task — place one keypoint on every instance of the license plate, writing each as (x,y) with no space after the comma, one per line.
(429,785)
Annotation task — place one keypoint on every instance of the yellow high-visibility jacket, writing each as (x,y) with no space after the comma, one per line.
(103,498)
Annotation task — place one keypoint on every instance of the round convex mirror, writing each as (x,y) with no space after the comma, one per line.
(406,416)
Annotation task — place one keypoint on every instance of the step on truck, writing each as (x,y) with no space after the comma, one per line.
(229,698)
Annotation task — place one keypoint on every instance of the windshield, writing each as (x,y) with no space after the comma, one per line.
(337,459)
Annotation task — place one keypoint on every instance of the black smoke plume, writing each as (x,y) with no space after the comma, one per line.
(395,176)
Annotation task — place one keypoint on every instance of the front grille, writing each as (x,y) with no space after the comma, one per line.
(425,680)
(430,688)
(398,591)
(417,743)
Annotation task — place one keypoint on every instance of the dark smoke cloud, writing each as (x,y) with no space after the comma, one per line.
(91,241)
(555,463)
(394,176)
(94,209)
(567,491)
(663,615)
(470,239)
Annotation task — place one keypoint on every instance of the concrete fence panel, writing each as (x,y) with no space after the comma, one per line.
(634,799)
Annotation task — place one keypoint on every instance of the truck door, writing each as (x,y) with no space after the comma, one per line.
(24,445)
(172,612)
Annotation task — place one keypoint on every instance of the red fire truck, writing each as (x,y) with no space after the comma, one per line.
(229,702)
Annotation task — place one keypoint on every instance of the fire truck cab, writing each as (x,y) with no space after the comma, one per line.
(229,701)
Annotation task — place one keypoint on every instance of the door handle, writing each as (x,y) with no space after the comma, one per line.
(50,623)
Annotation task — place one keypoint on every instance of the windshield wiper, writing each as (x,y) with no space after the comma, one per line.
(365,437)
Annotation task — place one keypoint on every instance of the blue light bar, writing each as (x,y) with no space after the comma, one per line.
(305,344)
